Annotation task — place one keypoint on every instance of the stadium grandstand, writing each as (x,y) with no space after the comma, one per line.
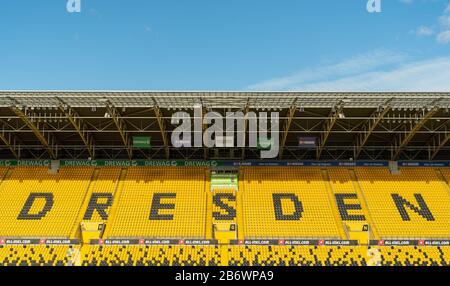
(93,179)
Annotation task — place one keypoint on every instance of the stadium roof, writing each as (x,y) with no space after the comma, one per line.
(100,124)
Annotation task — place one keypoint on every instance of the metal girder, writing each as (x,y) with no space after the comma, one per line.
(79,126)
(139,99)
(246,110)
(204,127)
(162,128)
(372,123)
(328,127)
(403,142)
(121,127)
(439,141)
(46,139)
(286,128)
(10,140)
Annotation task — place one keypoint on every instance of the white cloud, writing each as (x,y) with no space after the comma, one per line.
(423,31)
(443,37)
(355,65)
(427,75)
(443,28)
(444,21)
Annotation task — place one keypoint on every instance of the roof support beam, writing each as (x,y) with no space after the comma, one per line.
(246,110)
(162,128)
(403,139)
(204,127)
(46,139)
(286,128)
(10,140)
(121,127)
(328,127)
(370,126)
(439,141)
(79,126)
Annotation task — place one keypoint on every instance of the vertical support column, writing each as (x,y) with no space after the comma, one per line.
(10,140)
(327,127)
(162,128)
(286,128)
(121,127)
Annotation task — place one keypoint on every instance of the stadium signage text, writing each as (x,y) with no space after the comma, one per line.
(409,242)
(162,206)
(214,163)
(25,163)
(221,131)
(137,163)
(19,241)
(293,242)
(153,242)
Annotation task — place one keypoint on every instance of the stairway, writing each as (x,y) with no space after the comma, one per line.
(222,206)
(76,227)
(116,195)
(331,196)
(363,202)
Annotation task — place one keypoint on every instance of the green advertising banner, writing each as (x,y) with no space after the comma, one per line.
(138,163)
(25,163)
(142,142)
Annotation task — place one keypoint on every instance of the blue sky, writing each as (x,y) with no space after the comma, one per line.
(225,45)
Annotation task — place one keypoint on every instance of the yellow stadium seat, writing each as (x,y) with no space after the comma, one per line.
(338,256)
(160,203)
(167,255)
(175,255)
(177,203)
(97,206)
(39,255)
(446,174)
(286,203)
(34,203)
(413,204)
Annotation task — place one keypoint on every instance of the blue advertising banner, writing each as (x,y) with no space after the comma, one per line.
(307,142)
(423,164)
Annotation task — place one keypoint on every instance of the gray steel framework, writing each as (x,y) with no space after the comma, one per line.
(100,124)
